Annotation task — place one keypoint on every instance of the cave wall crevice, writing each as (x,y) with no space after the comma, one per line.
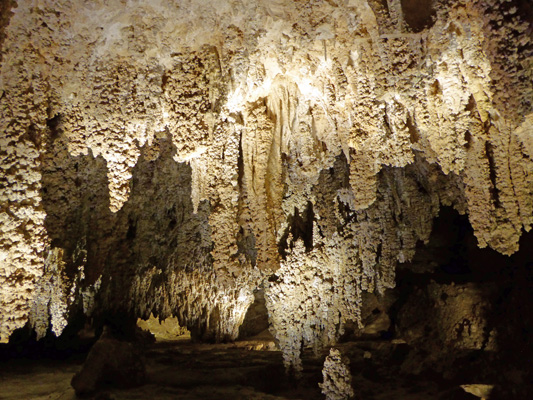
(154,154)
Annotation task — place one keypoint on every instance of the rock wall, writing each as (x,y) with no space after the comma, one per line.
(172,157)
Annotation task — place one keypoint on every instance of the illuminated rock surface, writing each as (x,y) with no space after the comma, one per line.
(173,158)
(337,383)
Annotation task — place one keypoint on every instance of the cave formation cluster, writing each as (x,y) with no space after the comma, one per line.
(174,157)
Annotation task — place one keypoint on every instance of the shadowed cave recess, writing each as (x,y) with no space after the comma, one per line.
(290,199)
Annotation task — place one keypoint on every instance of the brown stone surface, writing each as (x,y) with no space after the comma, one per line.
(444,322)
(188,371)
(112,363)
(167,329)
(170,158)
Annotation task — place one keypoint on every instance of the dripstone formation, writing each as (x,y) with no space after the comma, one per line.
(174,157)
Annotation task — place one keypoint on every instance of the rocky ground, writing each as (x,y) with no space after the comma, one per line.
(185,370)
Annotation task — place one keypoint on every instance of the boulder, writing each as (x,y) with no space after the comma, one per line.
(110,363)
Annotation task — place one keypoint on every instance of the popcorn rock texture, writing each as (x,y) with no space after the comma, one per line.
(337,377)
(171,157)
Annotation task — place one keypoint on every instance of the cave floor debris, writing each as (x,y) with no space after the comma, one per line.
(241,370)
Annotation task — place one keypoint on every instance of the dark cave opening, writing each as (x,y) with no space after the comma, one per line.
(457,319)
(458,315)
(300,227)
(418,14)
(465,310)
(452,255)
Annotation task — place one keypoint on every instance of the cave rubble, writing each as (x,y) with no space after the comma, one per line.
(249,165)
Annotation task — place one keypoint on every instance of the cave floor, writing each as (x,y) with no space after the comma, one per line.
(242,370)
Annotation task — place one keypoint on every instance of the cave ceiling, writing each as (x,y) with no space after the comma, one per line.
(172,157)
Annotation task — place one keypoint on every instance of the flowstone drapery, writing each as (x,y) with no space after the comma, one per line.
(168,158)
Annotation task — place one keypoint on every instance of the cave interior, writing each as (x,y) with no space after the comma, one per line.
(262,199)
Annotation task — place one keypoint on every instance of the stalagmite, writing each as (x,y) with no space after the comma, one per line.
(168,158)
(337,377)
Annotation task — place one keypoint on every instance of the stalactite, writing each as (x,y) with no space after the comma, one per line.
(170,158)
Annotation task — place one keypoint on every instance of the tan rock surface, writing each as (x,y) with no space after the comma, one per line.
(171,157)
